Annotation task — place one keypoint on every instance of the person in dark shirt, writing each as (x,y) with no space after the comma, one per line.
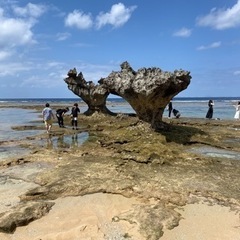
(209,114)
(170,108)
(60,113)
(74,115)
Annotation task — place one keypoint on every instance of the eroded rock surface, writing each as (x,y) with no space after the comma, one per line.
(123,155)
(93,95)
(147,90)
(23,214)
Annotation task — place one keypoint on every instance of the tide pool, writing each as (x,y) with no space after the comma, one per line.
(11,117)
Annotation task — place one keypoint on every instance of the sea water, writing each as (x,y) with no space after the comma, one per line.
(11,117)
(12,114)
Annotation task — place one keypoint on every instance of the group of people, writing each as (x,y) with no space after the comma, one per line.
(175,112)
(48,116)
(209,114)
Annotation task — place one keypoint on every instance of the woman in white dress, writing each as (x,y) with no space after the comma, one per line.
(237,114)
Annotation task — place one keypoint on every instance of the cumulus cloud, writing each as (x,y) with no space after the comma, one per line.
(183,32)
(221,18)
(14,32)
(118,16)
(212,45)
(79,19)
(17,29)
(16,25)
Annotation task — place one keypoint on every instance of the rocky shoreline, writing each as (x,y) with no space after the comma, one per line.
(123,156)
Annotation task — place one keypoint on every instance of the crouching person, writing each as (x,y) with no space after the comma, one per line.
(176,113)
(59,114)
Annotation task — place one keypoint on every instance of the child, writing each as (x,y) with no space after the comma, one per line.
(60,113)
(74,114)
(47,117)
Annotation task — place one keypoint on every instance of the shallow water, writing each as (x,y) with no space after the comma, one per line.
(11,117)
(64,141)
(216,152)
(12,151)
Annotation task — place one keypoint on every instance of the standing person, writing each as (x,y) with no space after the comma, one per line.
(209,114)
(48,117)
(74,114)
(237,114)
(170,108)
(60,113)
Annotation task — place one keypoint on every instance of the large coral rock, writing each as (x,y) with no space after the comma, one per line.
(93,95)
(148,90)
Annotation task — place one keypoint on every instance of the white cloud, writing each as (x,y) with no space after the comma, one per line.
(183,32)
(222,18)
(30,10)
(16,29)
(13,68)
(79,19)
(63,36)
(4,55)
(15,32)
(118,16)
(212,45)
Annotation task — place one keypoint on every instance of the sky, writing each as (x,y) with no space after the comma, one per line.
(40,41)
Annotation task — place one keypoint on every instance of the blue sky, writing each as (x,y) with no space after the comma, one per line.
(41,40)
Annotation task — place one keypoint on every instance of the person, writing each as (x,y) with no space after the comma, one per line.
(170,108)
(74,115)
(209,114)
(176,113)
(60,113)
(48,117)
(237,114)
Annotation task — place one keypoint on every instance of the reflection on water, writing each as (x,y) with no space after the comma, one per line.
(67,141)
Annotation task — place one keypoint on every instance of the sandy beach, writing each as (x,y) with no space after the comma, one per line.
(118,185)
(90,217)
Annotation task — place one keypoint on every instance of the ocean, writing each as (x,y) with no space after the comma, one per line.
(188,107)
(12,114)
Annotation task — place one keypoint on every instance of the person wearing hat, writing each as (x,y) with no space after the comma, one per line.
(60,113)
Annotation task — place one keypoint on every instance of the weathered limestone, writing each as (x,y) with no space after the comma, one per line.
(93,95)
(148,90)
(23,214)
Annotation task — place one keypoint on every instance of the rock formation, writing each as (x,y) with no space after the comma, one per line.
(148,90)
(93,95)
